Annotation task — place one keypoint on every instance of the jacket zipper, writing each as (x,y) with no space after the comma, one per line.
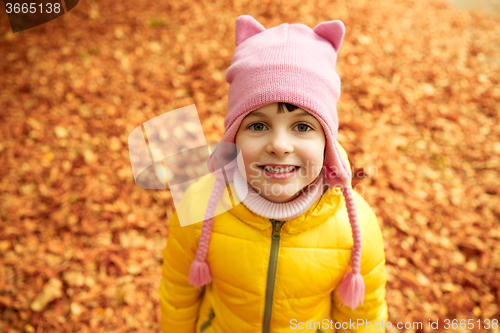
(206,324)
(271,273)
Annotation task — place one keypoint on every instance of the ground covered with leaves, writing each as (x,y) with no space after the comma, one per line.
(81,243)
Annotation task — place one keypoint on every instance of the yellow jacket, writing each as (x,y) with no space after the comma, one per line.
(313,254)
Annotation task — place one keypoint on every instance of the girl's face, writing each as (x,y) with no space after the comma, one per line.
(293,138)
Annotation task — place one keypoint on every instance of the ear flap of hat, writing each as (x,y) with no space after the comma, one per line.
(344,160)
(332,31)
(247,26)
(337,166)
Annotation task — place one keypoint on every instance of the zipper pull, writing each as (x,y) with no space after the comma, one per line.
(276,228)
(211,315)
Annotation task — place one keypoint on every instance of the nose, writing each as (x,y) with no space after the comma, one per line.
(280,143)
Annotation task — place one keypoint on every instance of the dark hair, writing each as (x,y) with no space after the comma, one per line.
(289,107)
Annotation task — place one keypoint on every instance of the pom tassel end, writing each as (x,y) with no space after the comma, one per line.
(352,290)
(199,274)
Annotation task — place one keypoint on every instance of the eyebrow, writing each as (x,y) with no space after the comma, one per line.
(262,114)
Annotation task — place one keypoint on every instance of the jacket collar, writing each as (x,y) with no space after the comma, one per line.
(316,214)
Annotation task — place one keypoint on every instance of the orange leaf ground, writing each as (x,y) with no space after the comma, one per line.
(81,243)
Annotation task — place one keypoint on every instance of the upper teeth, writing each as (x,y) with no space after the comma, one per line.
(279,169)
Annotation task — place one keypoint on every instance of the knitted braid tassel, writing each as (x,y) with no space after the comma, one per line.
(352,288)
(199,275)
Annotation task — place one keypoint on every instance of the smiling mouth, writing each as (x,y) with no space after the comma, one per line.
(280,170)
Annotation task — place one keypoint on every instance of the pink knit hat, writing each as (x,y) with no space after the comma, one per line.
(295,64)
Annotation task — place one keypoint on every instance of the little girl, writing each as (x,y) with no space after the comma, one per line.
(290,256)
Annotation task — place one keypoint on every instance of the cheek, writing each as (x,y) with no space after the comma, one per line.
(246,153)
(316,156)
(315,150)
(249,157)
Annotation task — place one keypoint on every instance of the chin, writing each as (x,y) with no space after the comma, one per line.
(280,198)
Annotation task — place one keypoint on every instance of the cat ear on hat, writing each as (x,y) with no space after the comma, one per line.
(332,31)
(247,26)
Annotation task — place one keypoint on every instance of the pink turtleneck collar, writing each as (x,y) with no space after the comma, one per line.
(277,210)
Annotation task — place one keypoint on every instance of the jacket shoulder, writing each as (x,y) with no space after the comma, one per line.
(366,217)
(191,208)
